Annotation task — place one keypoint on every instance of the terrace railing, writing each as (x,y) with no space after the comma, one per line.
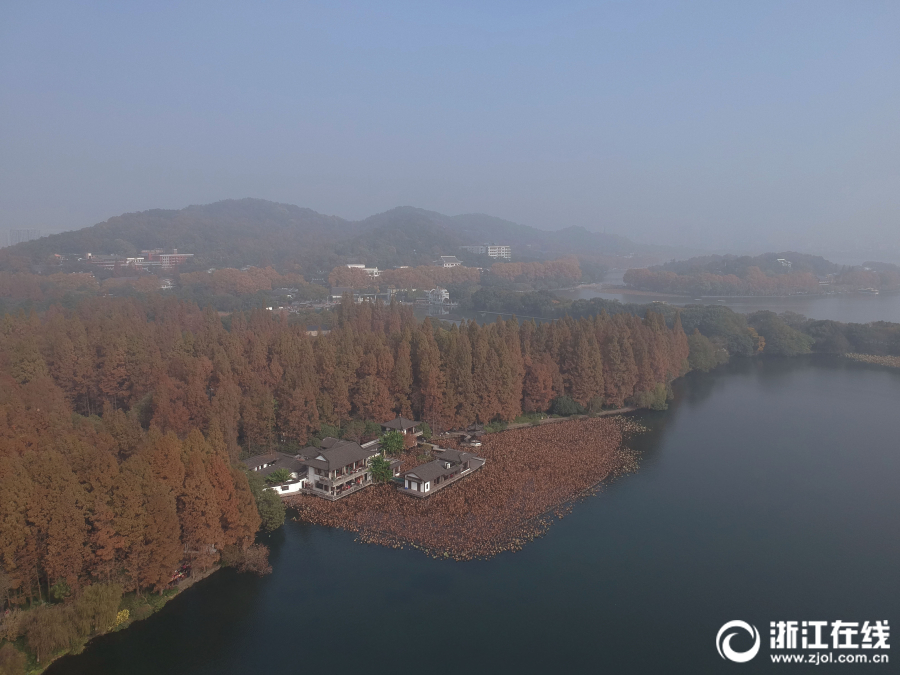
(350,474)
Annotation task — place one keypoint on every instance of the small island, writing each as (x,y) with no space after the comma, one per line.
(769,274)
(525,476)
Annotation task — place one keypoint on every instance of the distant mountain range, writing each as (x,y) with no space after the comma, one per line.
(239,232)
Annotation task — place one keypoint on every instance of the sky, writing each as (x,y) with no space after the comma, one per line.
(743,126)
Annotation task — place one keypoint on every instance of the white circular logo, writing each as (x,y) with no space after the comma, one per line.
(724,644)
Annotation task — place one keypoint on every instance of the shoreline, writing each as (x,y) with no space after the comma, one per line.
(886,361)
(532,474)
(625,290)
(551,420)
(131,617)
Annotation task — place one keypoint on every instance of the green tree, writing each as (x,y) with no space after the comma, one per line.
(655,398)
(426,431)
(95,609)
(279,476)
(269,505)
(564,405)
(704,355)
(381,470)
(392,443)
(327,430)
(271,510)
(781,339)
(354,430)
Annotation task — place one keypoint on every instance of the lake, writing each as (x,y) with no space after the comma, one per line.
(768,491)
(849,307)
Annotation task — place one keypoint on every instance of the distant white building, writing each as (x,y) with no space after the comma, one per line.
(492,250)
(438,296)
(371,271)
(450,261)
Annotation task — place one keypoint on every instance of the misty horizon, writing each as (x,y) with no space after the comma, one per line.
(739,129)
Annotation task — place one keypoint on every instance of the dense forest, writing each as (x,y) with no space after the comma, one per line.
(740,265)
(225,289)
(121,422)
(553,274)
(768,274)
(261,380)
(728,333)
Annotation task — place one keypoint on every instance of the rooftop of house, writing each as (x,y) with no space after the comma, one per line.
(429,471)
(335,454)
(266,464)
(400,424)
(455,456)
(259,460)
(446,462)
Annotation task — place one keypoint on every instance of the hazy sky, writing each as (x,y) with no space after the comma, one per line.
(740,124)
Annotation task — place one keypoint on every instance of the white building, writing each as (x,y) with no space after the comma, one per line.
(371,271)
(450,261)
(438,296)
(449,467)
(267,464)
(492,250)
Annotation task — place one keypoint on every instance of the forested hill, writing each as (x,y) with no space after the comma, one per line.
(257,232)
(786,273)
(788,262)
(227,233)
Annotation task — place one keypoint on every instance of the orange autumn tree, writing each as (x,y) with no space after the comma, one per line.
(121,418)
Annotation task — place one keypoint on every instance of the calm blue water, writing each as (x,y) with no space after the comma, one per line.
(768,491)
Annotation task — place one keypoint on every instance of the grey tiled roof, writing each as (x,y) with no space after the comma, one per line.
(429,471)
(401,424)
(259,460)
(336,455)
(436,468)
(277,460)
(455,456)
